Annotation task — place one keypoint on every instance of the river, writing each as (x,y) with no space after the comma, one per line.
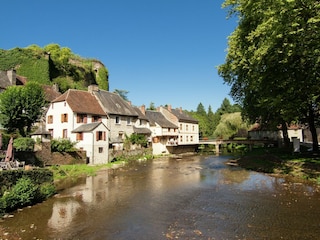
(194,197)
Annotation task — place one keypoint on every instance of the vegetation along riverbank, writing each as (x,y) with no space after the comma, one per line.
(304,165)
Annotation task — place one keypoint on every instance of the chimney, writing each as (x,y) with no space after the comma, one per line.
(55,87)
(169,108)
(12,77)
(180,109)
(143,109)
(93,88)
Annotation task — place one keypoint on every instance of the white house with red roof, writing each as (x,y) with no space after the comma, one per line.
(77,115)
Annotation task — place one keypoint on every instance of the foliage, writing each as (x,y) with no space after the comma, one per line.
(229,125)
(151,106)
(54,63)
(24,144)
(122,93)
(20,107)
(22,194)
(273,52)
(62,145)
(138,139)
(208,121)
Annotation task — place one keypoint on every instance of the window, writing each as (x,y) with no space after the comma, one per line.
(51,132)
(191,138)
(187,138)
(193,128)
(81,118)
(128,120)
(96,119)
(181,126)
(101,136)
(64,117)
(187,127)
(64,133)
(79,136)
(50,119)
(100,149)
(181,139)
(117,120)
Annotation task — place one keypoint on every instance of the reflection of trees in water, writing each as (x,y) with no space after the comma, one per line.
(232,176)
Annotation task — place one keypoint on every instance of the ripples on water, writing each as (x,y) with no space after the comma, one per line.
(194,197)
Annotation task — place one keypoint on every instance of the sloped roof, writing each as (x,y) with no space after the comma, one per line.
(50,93)
(114,104)
(89,127)
(140,114)
(157,117)
(81,102)
(183,116)
(141,130)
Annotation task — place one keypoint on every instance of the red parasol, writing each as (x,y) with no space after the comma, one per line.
(9,153)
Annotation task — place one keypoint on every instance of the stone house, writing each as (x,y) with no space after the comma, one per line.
(164,133)
(121,115)
(77,115)
(188,126)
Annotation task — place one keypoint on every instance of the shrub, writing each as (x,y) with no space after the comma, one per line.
(24,144)
(22,194)
(62,145)
(46,190)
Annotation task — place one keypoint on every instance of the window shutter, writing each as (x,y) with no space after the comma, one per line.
(78,118)
(97,136)
(85,119)
(66,118)
(62,118)
(104,136)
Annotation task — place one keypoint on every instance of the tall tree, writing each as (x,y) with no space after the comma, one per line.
(20,107)
(273,60)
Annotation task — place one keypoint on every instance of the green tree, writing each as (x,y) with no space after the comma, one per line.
(229,125)
(20,107)
(273,52)
(122,93)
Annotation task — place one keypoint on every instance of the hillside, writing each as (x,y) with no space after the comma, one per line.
(55,64)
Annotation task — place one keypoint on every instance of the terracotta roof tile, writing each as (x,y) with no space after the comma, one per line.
(81,102)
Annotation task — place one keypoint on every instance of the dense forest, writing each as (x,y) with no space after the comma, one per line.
(54,64)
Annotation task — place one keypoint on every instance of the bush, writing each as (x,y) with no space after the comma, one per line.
(22,194)
(24,144)
(46,190)
(62,145)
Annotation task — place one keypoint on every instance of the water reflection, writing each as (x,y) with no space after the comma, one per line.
(175,198)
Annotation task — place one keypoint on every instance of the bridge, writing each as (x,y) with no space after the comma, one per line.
(249,142)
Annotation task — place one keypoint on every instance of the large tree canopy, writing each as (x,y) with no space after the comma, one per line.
(273,60)
(20,107)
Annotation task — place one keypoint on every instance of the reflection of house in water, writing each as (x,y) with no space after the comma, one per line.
(63,213)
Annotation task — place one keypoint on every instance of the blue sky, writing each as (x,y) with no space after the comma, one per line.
(160,51)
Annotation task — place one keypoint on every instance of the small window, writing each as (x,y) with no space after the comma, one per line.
(187,138)
(128,120)
(79,136)
(100,149)
(193,128)
(96,119)
(81,118)
(181,139)
(117,120)
(64,133)
(101,136)
(187,127)
(51,132)
(64,117)
(191,138)
(50,119)
(180,126)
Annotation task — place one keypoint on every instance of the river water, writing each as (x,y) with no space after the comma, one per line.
(194,197)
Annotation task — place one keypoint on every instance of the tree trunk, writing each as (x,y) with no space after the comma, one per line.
(286,139)
(313,130)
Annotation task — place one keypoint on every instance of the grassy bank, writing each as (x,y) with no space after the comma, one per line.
(62,172)
(303,166)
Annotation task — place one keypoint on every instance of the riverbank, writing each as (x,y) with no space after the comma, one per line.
(301,166)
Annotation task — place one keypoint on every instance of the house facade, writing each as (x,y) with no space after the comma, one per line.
(121,115)
(164,133)
(77,115)
(188,126)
